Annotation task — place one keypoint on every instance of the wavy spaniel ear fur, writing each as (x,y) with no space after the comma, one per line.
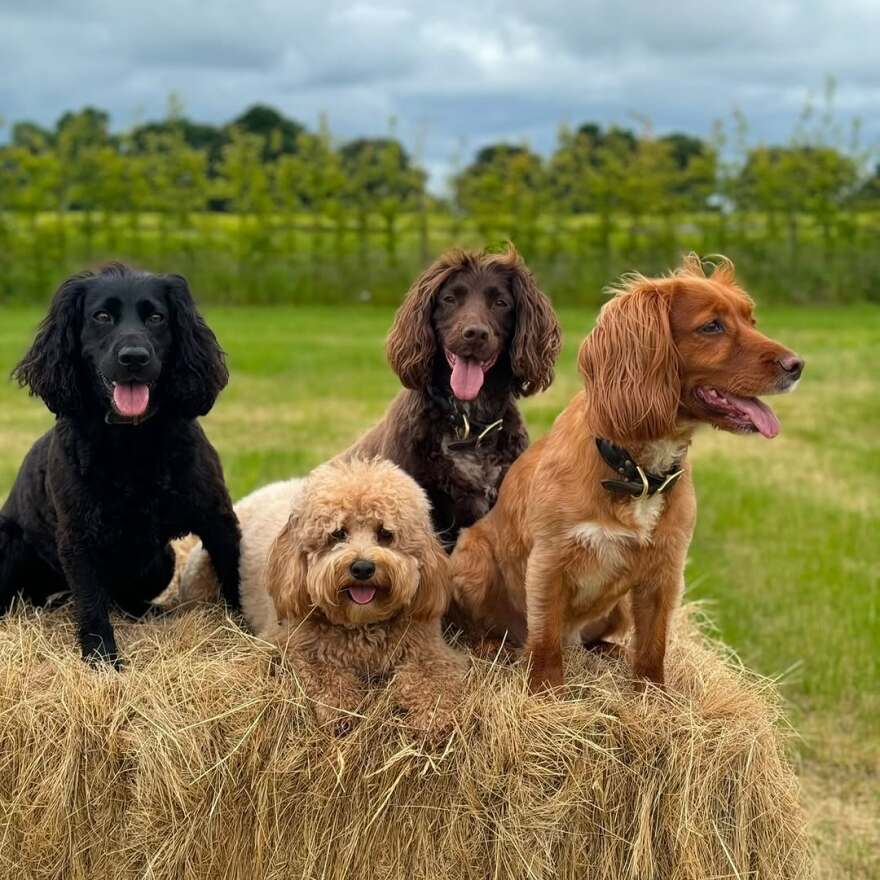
(412,344)
(537,338)
(630,365)
(197,373)
(51,369)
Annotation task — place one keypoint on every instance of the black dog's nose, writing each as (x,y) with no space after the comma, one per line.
(476,333)
(133,356)
(792,364)
(362,569)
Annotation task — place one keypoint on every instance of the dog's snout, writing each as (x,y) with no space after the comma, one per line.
(362,569)
(476,333)
(792,365)
(133,357)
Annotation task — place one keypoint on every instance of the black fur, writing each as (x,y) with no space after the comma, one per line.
(99,497)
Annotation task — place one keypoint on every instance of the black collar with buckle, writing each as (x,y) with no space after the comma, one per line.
(635,481)
(471,434)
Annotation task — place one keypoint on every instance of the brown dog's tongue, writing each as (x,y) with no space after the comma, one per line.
(467,378)
(131,398)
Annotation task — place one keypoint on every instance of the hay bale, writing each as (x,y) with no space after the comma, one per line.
(201,760)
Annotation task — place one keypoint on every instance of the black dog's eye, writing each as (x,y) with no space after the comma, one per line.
(338,535)
(103,317)
(383,536)
(714,326)
(155,318)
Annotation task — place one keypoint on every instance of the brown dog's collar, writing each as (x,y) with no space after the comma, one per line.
(635,481)
(469,434)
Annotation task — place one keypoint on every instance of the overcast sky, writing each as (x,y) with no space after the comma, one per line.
(456,74)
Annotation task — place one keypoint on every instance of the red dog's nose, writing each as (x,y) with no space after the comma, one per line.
(792,364)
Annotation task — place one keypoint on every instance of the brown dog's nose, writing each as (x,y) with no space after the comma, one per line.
(792,364)
(476,333)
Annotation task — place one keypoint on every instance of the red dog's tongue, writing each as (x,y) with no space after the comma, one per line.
(362,595)
(467,378)
(131,398)
(763,418)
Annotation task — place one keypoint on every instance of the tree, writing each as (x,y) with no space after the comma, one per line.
(31,136)
(279,134)
(82,129)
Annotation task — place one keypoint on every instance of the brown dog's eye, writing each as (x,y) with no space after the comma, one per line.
(338,535)
(714,326)
(449,299)
(502,303)
(103,317)
(383,536)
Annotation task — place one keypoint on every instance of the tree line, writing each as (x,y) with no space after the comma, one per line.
(298,215)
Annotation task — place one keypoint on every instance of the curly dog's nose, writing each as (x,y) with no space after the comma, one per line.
(133,356)
(362,569)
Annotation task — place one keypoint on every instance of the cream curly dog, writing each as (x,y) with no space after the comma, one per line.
(342,571)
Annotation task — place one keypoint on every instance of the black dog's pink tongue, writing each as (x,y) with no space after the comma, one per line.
(131,398)
(467,378)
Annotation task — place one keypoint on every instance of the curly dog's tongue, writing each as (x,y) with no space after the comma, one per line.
(362,595)
(131,398)
(467,378)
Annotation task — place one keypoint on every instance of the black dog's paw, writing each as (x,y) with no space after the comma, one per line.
(102,654)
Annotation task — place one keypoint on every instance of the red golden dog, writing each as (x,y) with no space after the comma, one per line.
(592,525)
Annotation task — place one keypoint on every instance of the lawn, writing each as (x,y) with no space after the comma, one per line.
(786,555)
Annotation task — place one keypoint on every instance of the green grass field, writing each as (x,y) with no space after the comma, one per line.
(786,555)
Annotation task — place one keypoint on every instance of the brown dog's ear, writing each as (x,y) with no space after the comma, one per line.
(631,367)
(286,573)
(435,583)
(412,344)
(537,338)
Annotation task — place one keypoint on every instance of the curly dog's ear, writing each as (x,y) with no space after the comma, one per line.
(537,339)
(435,582)
(52,368)
(630,365)
(197,372)
(412,344)
(286,573)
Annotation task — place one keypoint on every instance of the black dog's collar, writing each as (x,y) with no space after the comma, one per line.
(470,434)
(634,480)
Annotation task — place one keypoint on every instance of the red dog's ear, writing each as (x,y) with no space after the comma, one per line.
(286,573)
(631,366)
(435,584)
(411,344)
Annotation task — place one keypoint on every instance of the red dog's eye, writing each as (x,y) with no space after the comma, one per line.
(383,536)
(714,326)
(338,535)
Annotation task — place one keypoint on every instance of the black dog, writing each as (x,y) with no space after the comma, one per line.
(126,363)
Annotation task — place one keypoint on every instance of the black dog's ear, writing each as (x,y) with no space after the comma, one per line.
(197,372)
(52,367)
(537,339)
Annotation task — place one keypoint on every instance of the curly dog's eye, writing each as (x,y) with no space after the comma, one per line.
(103,317)
(156,318)
(338,535)
(383,536)
(714,326)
